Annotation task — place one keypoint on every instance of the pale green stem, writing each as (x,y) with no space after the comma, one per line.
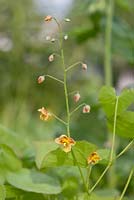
(59,119)
(108,66)
(77,108)
(99,179)
(125,149)
(65,78)
(66,94)
(89,169)
(79,168)
(108,41)
(73,92)
(56,79)
(127,183)
(73,65)
(114,130)
(112,148)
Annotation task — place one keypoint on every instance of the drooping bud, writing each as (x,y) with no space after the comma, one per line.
(48,18)
(76,97)
(67,20)
(40,79)
(84,66)
(53,40)
(65,37)
(51,58)
(48,37)
(86,109)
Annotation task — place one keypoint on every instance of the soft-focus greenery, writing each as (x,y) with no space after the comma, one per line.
(22,59)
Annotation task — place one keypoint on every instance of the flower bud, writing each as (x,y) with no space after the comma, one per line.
(84,66)
(53,40)
(48,37)
(51,58)
(86,109)
(40,79)
(76,97)
(65,37)
(67,20)
(48,18)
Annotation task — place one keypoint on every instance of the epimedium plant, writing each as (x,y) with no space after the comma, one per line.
(62,169)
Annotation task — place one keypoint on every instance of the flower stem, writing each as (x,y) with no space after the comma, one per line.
(112,148)
(59,119)
(114,130)
(127,183)
(89,169)
(79,168)
(73,65)
(125,149)
(66,93)
(77,108)
(108,41)
(56,79)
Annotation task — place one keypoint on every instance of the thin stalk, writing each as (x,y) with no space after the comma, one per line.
(108,66)
(77,108)
(125,149)
(65,78)
(99,179)
(56,79)
(127,183)
(73,65)
(79,168)
(89,169)
(59,119)
(112,148)
(66,94)
(114,130)
(108,41)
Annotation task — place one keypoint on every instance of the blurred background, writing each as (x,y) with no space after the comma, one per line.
(24,53)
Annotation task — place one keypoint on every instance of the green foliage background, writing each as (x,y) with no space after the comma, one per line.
(21,96)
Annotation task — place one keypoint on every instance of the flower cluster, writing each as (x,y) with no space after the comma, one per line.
(65,141)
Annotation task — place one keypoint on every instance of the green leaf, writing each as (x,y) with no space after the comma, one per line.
(42,149)
(126,98)
(2,192)
(12,192)
(8,159)
(107,98)
(58,157)
(104,155)
(125,119)
(33,181)
(124,125)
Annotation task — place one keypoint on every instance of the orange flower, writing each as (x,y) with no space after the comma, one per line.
(93,158)
(44,114)
(65,142)
(48,18)
(41,79)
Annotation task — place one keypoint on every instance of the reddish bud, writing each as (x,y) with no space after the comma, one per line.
(86,109)
(51,58)
(48,18)
(41,79)
(84,66)
(76,97)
